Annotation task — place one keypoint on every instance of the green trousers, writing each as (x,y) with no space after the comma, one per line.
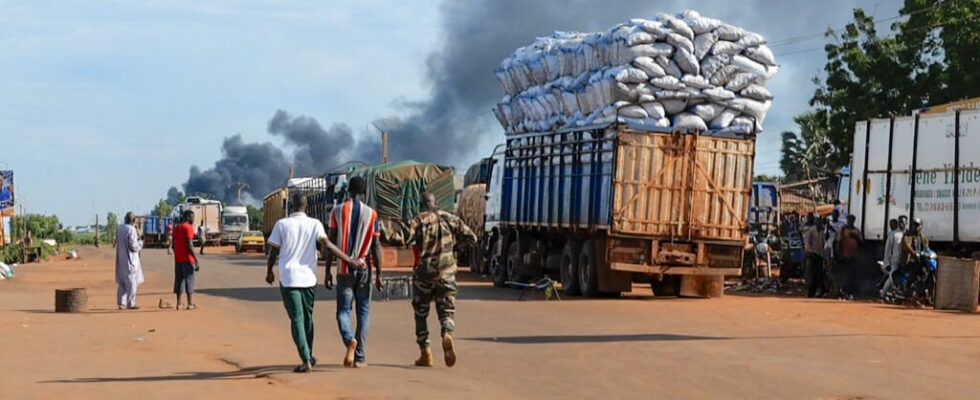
(299,306)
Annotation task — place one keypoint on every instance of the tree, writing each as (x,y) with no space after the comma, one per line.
(162,209)
(927,59)
(111,224)
(811,153)
(256,217)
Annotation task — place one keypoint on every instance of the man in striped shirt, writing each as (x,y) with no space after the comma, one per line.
(355,228)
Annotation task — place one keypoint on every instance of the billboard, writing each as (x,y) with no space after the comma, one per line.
(6,193)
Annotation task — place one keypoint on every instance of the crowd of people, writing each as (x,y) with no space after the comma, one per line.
(834,244)
(298,243)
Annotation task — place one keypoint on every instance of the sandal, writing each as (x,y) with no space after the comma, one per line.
(305,367)
(192,306)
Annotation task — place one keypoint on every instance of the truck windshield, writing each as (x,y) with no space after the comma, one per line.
(233,220)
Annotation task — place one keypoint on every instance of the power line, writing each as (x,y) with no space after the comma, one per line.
(811,36)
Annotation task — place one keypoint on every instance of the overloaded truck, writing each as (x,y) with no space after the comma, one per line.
(603,207)
(234,222)
(926,166)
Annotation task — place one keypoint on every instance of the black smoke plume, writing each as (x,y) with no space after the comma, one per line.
(264,166)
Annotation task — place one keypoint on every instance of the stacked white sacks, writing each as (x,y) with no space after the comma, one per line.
(679,72)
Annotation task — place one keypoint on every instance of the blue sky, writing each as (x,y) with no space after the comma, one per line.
(106,104)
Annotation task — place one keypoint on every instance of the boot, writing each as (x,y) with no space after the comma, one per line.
(449,348)
(425,358)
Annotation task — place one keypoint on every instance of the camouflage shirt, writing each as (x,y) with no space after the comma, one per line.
(434,235)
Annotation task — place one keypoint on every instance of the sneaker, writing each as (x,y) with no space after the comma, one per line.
(360,364)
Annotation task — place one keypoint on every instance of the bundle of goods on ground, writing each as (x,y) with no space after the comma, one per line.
(683,72)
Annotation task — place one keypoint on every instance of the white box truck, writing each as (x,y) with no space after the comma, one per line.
(921,166)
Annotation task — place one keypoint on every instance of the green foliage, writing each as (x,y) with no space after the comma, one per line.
(181,197)
(162,209)
(766,178)
(811,153)
(111,224)
(42,226)
(256,218)
(928,59)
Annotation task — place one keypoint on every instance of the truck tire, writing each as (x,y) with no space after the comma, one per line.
(569,268)
(477,265)
(495,266)
(588,270)
(514,263)
(502,275)
(670,286)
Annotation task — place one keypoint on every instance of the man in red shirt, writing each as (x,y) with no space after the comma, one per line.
(185,263)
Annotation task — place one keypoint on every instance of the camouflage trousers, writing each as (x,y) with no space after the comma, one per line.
(443,292)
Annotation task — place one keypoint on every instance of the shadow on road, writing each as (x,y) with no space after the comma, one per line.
(666,337)
(243,373)
(652,337)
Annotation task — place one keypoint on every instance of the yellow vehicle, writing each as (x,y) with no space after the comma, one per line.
(250,240)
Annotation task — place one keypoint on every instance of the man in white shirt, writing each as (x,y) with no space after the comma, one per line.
(893,252)
(294,240)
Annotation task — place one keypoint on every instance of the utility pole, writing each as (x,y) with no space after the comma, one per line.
(384,126)
(96,230)
(239,186)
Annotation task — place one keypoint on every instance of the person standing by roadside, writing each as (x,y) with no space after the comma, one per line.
(202,235)
(434,233)
(355,227)
(170,236)
(813,247)
(294,242)
(185,263)
(893,253)
(129,271)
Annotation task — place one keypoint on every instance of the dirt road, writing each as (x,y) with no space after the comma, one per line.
(237,344)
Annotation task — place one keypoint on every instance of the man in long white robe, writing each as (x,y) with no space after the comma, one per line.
(129,272)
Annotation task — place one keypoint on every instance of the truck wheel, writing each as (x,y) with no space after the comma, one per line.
(670,285)
(500,270)
(514,263)
(588,268)
(569,268)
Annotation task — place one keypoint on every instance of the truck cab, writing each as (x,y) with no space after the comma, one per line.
(234,222)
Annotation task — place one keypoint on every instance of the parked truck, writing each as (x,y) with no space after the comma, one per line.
(604,207)
(155,231)
(207,211)
(921,166)
(234,222)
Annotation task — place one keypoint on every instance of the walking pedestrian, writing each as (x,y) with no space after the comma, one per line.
(813,247)
(202,235)
(294,242)
(355,228)
(434,233)
(129,271)
(185,263)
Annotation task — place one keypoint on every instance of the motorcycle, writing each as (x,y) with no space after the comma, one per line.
(915,283)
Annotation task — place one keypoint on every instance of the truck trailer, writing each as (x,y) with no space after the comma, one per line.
(207,211)
(921,166)
(606,206)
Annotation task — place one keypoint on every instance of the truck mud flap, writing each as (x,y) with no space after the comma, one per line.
(702,286)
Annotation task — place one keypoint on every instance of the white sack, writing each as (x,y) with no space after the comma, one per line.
(725,47)
(672,107)
(689,121)
(652,50)
(761,54)
(633,111)
(707,112)
(631,75)
(696,81)
(650,67)
(740,81)
(718,94)
(673,69)
(687,61)
(751,40)
(703,44)
(756,92)
(729,33)
(667,82)
(654,109)
(723,75)
(680,41)
(701,24)
(752,108)
(723,119)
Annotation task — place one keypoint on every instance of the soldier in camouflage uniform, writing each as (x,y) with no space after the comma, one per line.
(434,233)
